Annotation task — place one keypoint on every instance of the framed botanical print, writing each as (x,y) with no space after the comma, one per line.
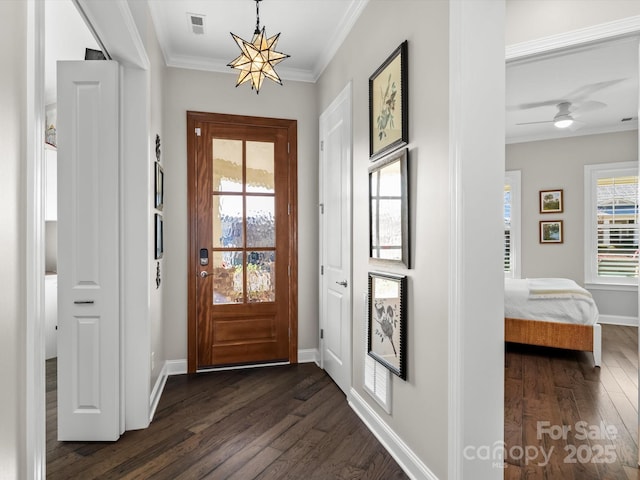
(159,186)
(387,321)
(388,104)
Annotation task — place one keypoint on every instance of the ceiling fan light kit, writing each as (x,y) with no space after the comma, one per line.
(562,121)
(258,57)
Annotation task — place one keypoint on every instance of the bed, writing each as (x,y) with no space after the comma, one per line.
(552,312)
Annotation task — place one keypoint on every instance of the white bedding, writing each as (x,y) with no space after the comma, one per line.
(550,299)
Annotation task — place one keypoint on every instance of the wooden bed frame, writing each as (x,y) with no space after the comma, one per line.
(586,338)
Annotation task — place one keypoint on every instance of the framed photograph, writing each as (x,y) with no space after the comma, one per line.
(389,209)
(387,321)
(159,236)
(388,104)
(159,190)
(551,231)
(551,201)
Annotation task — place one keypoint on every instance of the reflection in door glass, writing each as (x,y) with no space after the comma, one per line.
(227,165)
(260,167)
(261,276)
(227,221)
(227,277)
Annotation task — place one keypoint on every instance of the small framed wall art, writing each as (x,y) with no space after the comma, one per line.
(159,236)
(551,201)
(159,186)
(388,104)
(387,321)
(389,209)
(551,231)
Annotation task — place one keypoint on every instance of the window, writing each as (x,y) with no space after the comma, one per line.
(611,223)
(512,224)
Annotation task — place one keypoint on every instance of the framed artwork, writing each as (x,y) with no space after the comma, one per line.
(551,231)
(551,201)
(389,209)
(388,104)
(159,187)
(387,321)
(159,236)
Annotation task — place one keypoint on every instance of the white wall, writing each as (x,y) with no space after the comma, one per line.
(142,16)
(216,92)
(559,164)
(13,21)
(533,19)
(420,405)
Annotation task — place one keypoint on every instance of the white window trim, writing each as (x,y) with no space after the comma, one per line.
(513,178)
(591,174)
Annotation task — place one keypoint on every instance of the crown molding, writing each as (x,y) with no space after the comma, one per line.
(606,31)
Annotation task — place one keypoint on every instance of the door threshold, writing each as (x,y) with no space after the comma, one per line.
(240,367)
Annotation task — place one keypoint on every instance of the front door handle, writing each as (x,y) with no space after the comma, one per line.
(204,274)
(343,283)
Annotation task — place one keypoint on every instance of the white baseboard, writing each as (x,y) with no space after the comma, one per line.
(309,355)
(402,454)
(176,367)
(618,320)
(156,393)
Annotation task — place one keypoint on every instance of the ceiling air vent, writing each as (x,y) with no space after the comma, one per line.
(196,22)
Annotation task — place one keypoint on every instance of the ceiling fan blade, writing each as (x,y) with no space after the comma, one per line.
(586,90)
(588,106)
(527,106)
(533,123)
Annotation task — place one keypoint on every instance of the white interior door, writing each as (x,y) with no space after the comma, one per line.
(335,240)
(88,252)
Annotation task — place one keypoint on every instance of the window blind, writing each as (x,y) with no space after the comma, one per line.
(617,226)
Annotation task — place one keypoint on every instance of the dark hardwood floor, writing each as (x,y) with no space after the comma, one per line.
(563,388)
(286,422)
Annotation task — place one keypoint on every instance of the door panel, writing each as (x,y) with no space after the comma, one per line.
(240,216)
(335,240)
(88,253)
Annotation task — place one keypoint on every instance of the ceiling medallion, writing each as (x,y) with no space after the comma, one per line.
(257,57)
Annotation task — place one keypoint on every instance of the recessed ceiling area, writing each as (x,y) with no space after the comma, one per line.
(600,81)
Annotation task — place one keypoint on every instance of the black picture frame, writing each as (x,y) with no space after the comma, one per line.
(388,90)
(159,236)
(387,321)
(389,209)
(158,201)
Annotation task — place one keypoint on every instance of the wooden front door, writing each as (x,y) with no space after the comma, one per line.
(242,227)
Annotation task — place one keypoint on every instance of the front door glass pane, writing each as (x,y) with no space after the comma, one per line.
(227,221)
(260,167)
(261,222)
(227,165)
(227,277)
(261,276)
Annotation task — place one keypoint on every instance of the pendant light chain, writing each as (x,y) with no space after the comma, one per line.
(257,17)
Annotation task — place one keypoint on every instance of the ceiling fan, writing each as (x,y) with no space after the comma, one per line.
(567,113)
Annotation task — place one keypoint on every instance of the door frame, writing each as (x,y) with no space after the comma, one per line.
(107,19)
(292,199)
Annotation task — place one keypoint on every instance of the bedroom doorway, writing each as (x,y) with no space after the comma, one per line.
(608,394)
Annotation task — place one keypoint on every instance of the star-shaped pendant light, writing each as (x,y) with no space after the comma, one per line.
(257,57)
